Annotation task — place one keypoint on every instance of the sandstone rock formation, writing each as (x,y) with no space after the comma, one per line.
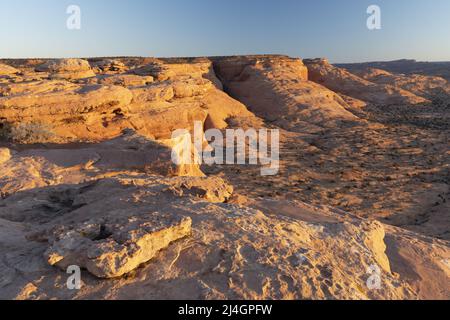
(102,107)
(342,81)
(116,246)
(109,66)
(277,89)
(126,80)
(38,168)
(405,66)
(6,70)
(358,209)
(425,86)
(67,69)
(5,155)
(71,111)
(167,69)
(230,251)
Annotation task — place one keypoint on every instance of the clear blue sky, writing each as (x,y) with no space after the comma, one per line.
(336,29)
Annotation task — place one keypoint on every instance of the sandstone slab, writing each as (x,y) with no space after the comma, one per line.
(113,248)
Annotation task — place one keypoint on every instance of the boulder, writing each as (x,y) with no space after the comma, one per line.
(116,246)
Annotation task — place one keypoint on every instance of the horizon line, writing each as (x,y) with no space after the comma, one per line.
(217,56)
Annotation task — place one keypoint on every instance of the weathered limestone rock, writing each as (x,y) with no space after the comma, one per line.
(342,81)
(113,248)
(104,226)
(67,69)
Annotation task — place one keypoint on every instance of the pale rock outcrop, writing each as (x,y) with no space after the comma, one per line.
(74,112)
(282,250)
(130,152)
(6,70)
(100,108)
(405,66)
(112,248)
(135,152)
(373,239)
(179,70)
(277,89)
(5,155)
(428,87)
(126,80)
(145,227)
(109,66)
(213,189)
(185,91)
(341,81)
(67,69)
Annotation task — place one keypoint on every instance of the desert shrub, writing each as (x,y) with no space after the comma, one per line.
(5,131)
(27,133)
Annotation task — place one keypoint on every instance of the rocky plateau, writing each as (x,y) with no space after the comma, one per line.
(360,208)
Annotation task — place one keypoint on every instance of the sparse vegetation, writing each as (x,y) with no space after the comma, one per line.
(26,133)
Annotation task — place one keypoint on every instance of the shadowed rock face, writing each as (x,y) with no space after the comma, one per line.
(107,197)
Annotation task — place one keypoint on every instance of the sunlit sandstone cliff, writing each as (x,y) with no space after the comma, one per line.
(87,179)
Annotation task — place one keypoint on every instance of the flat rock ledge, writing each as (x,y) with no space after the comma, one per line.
(114,248)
